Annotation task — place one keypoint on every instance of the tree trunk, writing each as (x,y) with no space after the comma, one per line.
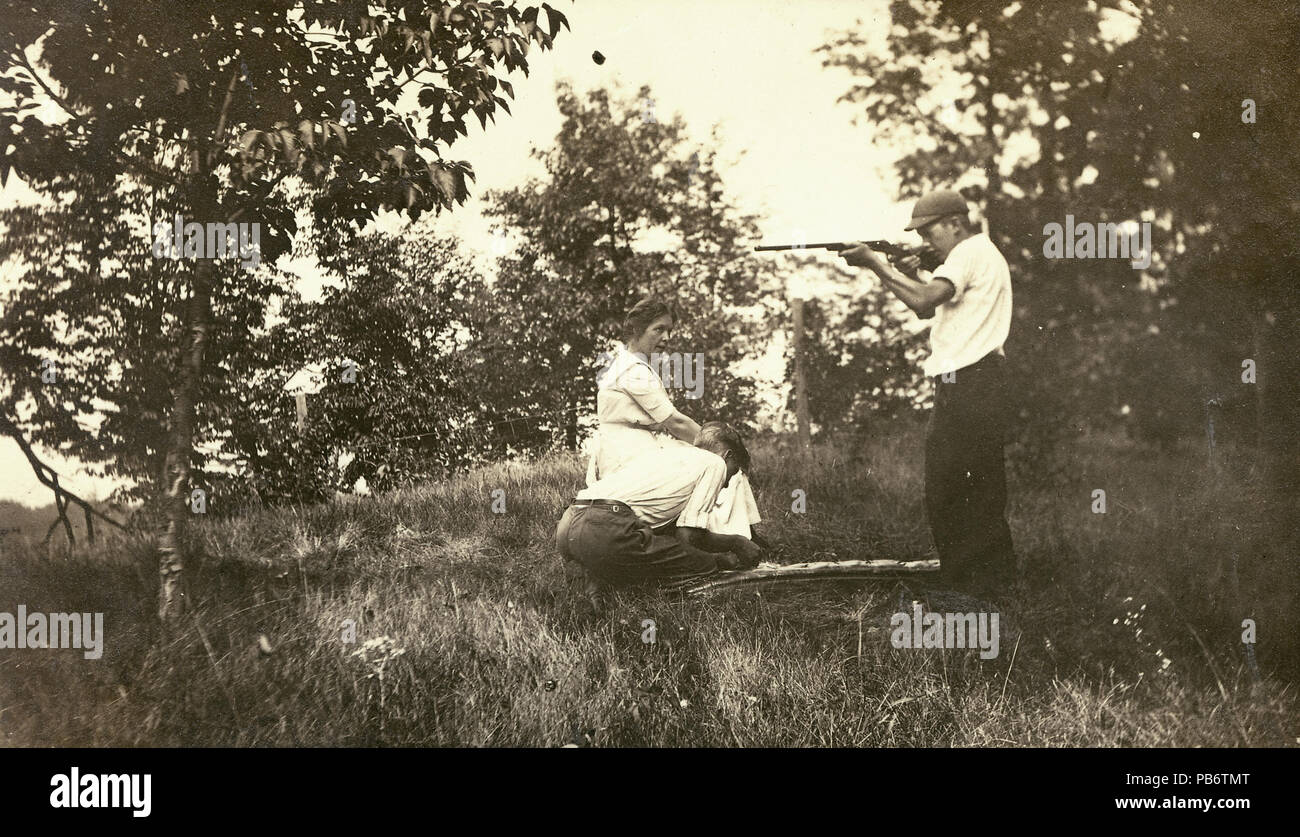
(800,384)
(993,196)
(571,426)
(172,602)
(874,568)
(613,238)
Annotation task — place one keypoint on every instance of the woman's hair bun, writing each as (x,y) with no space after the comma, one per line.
(642,315)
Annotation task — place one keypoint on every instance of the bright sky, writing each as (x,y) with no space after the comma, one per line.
(788,151)
(745,65)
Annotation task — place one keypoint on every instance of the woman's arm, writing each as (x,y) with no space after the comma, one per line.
(647,391)
(681,426)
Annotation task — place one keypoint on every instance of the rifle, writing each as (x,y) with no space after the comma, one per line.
(929,258)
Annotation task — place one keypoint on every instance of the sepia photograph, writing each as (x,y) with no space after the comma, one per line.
(900,374)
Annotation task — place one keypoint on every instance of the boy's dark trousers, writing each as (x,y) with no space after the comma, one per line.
(965,478)
(616,547)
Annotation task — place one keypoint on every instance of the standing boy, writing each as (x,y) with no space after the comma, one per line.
(969,297)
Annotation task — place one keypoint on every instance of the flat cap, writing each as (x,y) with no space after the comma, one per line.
(936,205)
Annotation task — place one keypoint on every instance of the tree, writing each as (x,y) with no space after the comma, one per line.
(397,359)
(1053,116)
(628,209)
(1221,180)
(861,361)
(216,105)
(92,329)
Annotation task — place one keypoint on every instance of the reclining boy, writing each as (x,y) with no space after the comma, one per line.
(646,523)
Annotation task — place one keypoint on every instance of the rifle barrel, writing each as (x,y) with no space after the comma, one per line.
(823,245)
(929,258)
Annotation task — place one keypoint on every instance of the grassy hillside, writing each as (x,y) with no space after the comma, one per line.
(1127,632)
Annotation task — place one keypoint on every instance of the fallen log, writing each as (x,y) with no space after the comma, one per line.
(819,571)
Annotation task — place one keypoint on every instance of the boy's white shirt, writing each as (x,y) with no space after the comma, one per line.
(735,510)
(977,319)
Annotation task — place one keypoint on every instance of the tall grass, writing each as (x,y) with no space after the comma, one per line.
(1126,633)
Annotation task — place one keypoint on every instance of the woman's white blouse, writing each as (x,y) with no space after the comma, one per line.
(630,401)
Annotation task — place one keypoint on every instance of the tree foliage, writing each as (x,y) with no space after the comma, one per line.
(1046,111)
(215,105)
(92,331)
(862,364)
(629,208)
(395,396)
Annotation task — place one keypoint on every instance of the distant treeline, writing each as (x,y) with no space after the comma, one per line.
(20,522)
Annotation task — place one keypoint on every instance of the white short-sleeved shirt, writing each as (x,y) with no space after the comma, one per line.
(631,399)
(630,392)
(679,483)
(977,319)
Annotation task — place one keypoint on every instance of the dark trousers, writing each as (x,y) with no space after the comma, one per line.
(965,478)
(615,546)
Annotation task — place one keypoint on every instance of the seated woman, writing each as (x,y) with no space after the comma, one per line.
(636,415)
(648,522)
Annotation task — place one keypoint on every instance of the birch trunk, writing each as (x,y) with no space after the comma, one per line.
(172,604)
